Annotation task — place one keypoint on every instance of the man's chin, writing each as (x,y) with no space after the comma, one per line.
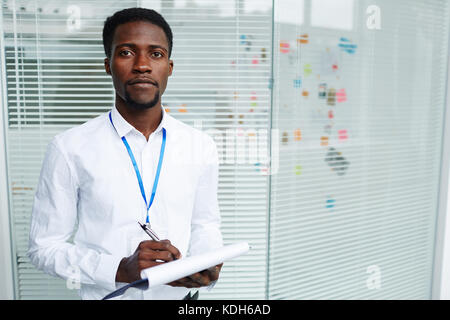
(141,104)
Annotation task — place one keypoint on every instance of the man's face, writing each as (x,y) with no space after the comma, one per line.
(139,64)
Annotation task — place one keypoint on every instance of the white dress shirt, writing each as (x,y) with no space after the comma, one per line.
(88,187)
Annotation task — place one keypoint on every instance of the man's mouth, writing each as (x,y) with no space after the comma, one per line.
(144,83)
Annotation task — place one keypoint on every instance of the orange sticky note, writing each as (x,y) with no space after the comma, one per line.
(303,39)
(182,108)
(297,135)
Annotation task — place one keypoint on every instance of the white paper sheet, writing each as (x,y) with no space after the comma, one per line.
(174,270)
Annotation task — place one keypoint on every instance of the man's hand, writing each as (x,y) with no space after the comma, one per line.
(146,256)
(199,279)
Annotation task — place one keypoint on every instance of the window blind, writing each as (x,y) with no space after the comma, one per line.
(222,65)
(359,105)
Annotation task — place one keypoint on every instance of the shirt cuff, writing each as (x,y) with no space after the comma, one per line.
(211,285)
(105,275)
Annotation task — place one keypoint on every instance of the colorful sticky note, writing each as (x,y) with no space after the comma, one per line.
(305,93)
(297,135)
(255,60)
(307,71)
(303,39)
(330,114)
(329,203)
(263,54)
(285,138)
(261,169)
(346,45)
(182,108)
(341,95)
(324,141)
(322,91)
(297,83)
(298,170)
(284,47)
(253,99)
(342,135)
(331,97)
(245,40)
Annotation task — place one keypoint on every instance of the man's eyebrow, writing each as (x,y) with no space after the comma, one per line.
(132,45)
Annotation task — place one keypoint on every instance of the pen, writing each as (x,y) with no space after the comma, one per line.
(149,231)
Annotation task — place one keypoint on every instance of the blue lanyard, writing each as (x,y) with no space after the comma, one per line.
(136,169)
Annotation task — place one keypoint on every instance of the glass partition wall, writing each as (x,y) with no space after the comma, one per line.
(359,101)
(327,114)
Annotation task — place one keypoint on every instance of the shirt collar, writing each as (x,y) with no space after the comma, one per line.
(123,127)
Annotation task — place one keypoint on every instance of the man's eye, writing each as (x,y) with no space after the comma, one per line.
(157,54)
(125,52)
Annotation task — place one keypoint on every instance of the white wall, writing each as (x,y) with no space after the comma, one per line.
(441,278)
(6,272)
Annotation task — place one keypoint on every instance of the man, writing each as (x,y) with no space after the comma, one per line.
(133,164)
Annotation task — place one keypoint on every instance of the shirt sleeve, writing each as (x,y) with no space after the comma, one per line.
(205,223)
(53,219)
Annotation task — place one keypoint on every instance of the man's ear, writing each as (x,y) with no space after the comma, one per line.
(107,67)
(170,67)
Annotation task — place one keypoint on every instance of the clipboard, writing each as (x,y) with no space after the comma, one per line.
(174,270)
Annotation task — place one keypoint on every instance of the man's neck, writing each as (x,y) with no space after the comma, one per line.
(145,121)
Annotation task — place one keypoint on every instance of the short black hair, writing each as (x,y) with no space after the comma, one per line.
(131,15)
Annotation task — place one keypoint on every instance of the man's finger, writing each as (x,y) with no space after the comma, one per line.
(201,279)
(163,245)
(144,264)
(176,253)
(184,282)
(152,255)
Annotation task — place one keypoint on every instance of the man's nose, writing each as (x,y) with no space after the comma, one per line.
(142,64)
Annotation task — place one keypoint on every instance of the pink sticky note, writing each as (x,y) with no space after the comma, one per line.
(330,114)
(341,95)
(284,46)
(342,135)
